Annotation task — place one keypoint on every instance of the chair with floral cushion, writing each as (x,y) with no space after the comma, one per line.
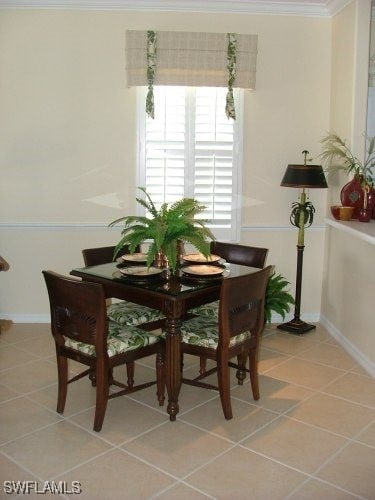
(82,332)
(236,332)
(235,254)
(124,312)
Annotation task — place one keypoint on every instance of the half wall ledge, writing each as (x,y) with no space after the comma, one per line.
(362,230)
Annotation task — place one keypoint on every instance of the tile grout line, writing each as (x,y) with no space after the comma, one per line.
(332,457)
(165,490)
(186,412)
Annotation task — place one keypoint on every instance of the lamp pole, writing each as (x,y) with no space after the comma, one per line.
(296,325)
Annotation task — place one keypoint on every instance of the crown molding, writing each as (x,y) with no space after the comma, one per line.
(313,8)
(334,6)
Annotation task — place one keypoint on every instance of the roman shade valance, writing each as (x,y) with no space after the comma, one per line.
(191,59)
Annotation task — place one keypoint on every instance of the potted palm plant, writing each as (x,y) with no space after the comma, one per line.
(165,229)
(340,157)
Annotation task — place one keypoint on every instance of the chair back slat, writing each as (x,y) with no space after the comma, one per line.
(78,310)
(241,306)
(240,254)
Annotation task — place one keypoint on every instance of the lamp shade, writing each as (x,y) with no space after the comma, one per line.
(304,176)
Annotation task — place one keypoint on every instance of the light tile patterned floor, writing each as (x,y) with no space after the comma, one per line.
(310,436)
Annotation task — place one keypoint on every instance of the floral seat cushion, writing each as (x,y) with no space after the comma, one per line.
(210,310)
(130,314)
(120,339)
(204,332)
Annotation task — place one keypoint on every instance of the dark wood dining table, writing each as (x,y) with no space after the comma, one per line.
(174,296)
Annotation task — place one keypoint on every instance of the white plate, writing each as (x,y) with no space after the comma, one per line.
(203,270)
(199,258)
(140,272)
(134,257)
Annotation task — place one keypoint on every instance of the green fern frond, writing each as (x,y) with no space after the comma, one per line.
(278,298)
(149,204)
(165,227)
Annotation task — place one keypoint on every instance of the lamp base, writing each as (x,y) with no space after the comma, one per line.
(296,326)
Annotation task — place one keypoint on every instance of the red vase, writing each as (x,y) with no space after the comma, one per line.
(352,196)
(364,215)
(371,202)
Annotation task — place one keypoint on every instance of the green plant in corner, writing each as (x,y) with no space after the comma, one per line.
(165,228)
(278,299)
(339,157)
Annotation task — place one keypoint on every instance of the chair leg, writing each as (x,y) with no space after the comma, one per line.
(253,368)
(224,387)
(202,364)
(130,374)
(110,376)
(182,363)
(62,371)
(92,377)
(160,378)
(241,371)
(102,390)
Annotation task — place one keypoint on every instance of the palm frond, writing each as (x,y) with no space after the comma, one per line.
(371,145)
(339,157)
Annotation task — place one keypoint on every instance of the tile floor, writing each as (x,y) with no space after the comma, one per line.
(310,436)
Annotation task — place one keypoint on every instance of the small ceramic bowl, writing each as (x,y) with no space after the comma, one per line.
(342,213)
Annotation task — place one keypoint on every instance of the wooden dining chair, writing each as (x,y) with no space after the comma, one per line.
(244,255)
(233,253)
(123,312)
(82,332)
(236,332)
(101,255)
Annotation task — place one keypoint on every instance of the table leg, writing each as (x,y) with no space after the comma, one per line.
(173,365)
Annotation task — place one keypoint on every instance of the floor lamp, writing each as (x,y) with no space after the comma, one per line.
(303,177)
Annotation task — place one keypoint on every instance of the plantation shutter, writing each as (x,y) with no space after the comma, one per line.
(191,149)
(213,156)
(164,149)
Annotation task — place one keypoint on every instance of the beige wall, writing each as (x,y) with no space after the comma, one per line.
(68,141)
(349,277)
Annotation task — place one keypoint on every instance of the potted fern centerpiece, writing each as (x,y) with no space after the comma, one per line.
(165,229)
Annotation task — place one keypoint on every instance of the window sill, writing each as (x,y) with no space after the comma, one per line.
(362,230)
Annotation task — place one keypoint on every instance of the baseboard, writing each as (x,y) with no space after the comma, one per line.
(309,318)
(45,318)
(367,364)
(26,318)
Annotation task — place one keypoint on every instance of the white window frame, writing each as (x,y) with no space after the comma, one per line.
(221,233)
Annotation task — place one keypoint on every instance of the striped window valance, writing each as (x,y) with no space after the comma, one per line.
(191,59)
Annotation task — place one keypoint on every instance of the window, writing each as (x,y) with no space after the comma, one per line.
(191,149)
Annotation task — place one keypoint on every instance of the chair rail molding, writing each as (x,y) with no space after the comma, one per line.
(94,226)
(56,226)
(276,228)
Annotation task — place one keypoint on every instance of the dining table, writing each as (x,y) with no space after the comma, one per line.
(174,294)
